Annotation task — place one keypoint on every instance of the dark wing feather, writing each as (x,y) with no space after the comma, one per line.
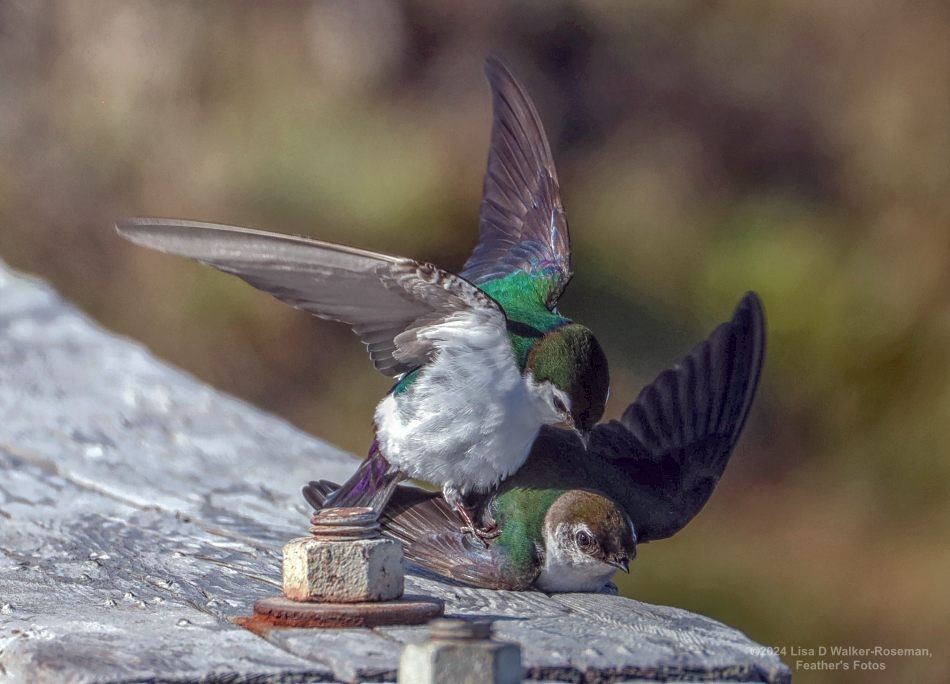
(429,531)
(672,444)
(522,225)
(387,300)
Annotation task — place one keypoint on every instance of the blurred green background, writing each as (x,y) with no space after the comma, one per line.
(800,149)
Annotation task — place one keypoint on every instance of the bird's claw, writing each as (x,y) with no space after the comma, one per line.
(484,535)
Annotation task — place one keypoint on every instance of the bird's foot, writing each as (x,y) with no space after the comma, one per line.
(483,534)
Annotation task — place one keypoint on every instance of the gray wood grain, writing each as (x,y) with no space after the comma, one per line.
(141,511)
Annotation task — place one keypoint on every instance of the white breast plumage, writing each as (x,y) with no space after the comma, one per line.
(468,419)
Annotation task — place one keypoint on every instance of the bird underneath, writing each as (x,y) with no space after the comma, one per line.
(481,360)
(577,543)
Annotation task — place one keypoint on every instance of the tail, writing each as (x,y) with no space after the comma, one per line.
(371,485)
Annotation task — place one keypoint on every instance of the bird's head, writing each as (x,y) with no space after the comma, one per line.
(590,531)
(570,370)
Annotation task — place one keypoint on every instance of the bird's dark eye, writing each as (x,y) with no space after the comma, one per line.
(584,540)
(559,405)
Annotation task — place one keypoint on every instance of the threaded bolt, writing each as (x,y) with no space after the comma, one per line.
(345,524)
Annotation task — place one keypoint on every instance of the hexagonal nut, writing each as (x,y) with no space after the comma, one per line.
(343,571)
(461,662)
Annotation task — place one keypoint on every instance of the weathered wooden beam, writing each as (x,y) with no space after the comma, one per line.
(141,511)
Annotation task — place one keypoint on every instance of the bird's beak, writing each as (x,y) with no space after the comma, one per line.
(622,563)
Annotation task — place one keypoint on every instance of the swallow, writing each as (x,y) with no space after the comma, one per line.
(481,361)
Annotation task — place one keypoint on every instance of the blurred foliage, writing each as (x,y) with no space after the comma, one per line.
(800,149)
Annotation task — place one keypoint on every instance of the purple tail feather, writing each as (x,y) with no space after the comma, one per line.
(371,485)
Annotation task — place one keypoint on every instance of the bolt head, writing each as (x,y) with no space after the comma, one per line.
(343,571)
(461,662)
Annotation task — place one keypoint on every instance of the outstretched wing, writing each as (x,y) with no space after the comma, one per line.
(392,303)
(672,444)
(522,224)
(431,538)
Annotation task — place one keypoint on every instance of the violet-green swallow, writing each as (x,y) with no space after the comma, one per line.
(565,516)
(482,360)
(554,539)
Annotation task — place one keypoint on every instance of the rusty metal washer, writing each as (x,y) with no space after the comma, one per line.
(279,611)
